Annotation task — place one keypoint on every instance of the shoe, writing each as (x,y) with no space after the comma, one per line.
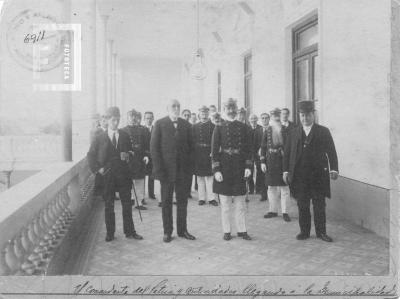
(134,236)
(160,204)
(245,236)
(144,202)
(286,217)
(302,236)
(167,238)
(247,199)
(201,202)
(141,208)
(324,237)
(227,236)
(214,203)
(263,199)
(152,196)
(109,238)
(186,235)
(271,215)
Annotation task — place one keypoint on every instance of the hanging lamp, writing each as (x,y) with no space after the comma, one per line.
(198,70)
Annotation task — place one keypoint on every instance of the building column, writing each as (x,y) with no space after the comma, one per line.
(114,78)
(110,43)
(104,19)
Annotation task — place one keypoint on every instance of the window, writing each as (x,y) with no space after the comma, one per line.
(248,91)
(305,63)
(219,89)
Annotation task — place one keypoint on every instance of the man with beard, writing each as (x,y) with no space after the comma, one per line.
(138,137)
(231,154)
(108,156)
(148,123)
(271,165)
(171,148)
(256,132)
(202,133)
(309,162)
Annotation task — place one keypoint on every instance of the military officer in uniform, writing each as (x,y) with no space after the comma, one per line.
(309,161)
(231,153)
(148,124)
(108,156)
(271,164)
(202,133)
(138,137)
(257,178)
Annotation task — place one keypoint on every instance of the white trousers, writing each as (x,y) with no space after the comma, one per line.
(276,193)
(205,185)
(139,188)
(240,213)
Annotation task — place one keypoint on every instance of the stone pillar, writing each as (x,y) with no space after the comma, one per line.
(110,43)
(104,19)
(114,79)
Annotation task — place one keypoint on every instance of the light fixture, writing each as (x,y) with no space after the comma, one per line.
(198,70)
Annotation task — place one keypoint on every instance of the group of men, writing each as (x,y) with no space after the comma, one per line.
(229,157)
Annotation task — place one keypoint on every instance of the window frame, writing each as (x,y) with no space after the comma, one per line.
(247,80)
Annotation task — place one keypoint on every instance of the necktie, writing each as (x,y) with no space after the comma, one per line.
(114,140)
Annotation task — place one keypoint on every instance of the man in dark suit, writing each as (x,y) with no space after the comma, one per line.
(108,156)
(148,123)
(171,148)
(287,125)
(309,161)
(256,133)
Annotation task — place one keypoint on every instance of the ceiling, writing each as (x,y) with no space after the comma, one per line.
(168,28)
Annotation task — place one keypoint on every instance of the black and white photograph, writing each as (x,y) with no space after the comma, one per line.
(199,148)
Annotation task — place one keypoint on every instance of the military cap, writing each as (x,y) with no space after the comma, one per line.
(230,102)
(112,112)
(204,108)
(242,110)
(133,112)
(276,111)
(305,106)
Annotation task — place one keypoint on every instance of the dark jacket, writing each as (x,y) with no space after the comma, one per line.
(257,134)
(324,158)
(102,153)
(202,134)
(170,146)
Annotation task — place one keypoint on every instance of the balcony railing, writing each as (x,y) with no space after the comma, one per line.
(36,214)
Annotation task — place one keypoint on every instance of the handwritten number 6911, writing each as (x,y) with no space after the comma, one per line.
(33,38)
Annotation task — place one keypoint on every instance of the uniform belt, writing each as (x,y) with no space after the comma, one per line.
(275,150)
(136,145)
(203,145)
(231,151)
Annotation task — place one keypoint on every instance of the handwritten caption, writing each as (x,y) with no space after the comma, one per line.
(165,287)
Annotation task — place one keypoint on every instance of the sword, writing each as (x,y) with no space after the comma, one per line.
(137,203)
(247,193)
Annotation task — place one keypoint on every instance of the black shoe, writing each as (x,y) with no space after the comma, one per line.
(134,236)
(227,236)
(141,208)
(263,199)
(186,235)
(271,215)
(144,202)
(201,202)
(152,196)
(109,238)
(167,238)
(247,199)
(286,217)
(214,203)
(160,204)
(324,237)
(302,236)
(244,235)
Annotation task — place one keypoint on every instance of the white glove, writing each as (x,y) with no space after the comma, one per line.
(146,160)
(247,173)
(218,176)
(263,167)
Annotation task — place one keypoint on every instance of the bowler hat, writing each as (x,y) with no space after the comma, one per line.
(112,112)
(305,106)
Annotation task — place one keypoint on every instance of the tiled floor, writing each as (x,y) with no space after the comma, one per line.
(273,250)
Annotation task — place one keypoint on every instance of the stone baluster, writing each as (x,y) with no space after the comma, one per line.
(4,269)
(27,267)
(25,241)
(12,261)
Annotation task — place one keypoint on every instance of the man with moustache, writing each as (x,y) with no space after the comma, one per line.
(202,133)
(171,147)
(287,125)
(256,132)
(186,115)
(309,162)
(138,137)
(231,154)
(108,156)
(271,164)
(148,124)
